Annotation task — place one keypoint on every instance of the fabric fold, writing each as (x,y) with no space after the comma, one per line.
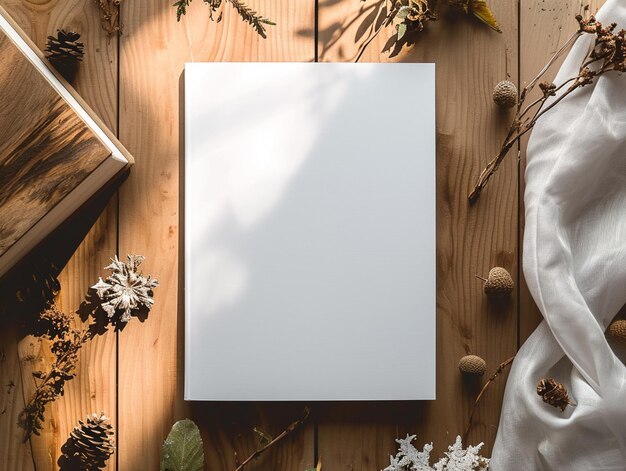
(575,267)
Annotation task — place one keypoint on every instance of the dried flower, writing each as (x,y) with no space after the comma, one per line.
(109,16)
(125,290)
(456,458)
(554,393)
(54,325)
(608,54)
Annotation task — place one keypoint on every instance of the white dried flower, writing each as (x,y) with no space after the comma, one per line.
(410,458)
(126,289)
(456,458)
(459,459)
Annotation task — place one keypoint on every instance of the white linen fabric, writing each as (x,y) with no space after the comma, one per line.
(575,266)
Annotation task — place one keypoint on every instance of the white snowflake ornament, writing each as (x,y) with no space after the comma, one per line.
(125,290)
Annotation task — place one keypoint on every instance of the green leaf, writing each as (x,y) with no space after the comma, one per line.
(481,10)
(403,12)
(182,449)
(401,30)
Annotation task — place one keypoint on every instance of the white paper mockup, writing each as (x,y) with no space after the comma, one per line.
(309,208)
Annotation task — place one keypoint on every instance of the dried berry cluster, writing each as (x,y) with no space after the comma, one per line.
(607,54)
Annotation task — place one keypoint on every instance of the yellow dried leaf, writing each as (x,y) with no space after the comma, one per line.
(481,10)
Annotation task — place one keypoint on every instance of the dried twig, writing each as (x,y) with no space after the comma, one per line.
(497,373)
(110,15)
(291,428)
(607,54)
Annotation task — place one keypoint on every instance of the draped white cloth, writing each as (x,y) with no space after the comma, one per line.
(575,267)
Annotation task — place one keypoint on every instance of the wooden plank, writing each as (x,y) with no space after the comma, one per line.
(470,60)
(545,26)
(153,52)
(93,389)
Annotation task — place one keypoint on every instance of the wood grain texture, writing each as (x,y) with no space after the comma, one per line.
(349,436)
(94,387)
(46,150)
(545,26)
(470,59)
(153,52)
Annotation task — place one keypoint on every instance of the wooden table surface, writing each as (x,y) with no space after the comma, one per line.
(135,376)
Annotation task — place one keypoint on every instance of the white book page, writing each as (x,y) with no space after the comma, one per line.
(309,231)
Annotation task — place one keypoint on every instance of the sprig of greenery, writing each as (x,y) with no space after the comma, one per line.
(246,13)
(250,16)
(181,8)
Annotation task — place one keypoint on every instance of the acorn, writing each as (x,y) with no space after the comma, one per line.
(505,94)
(617,331)
(498,284)
(472,365)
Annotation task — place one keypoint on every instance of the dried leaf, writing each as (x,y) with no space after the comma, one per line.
(264,437)
(401,30)
(481,10)
(183,449)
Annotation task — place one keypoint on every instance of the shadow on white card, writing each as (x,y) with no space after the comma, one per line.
(309,231)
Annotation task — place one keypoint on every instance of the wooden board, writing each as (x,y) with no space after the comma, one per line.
(153,52)
(36,121)
(346,436)
(470,60)
(94,388)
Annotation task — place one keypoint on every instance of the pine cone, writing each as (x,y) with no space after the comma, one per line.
(65,52)
(90,445)
(554,393)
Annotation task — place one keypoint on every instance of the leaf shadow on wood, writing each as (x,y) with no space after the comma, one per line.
(370,15)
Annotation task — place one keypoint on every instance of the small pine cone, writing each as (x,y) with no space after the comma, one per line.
(90,445)
(65,52)
(499,283)
(617,331)
(472,365)
(554,393)
(505,94)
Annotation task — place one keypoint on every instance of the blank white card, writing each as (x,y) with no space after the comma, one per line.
(309,231)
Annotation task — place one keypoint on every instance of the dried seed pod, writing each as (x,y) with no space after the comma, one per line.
(472,365)
(498,284)
(554,393)
(89,446)
(617,331)
(505,94)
